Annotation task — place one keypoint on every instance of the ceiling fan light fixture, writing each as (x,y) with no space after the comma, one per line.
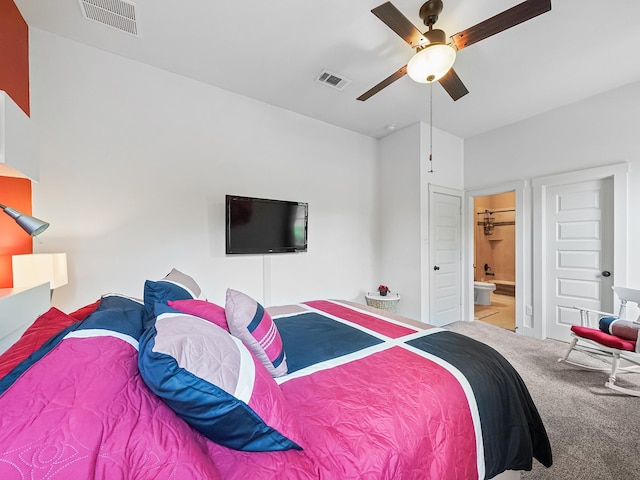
(424,69)
(431,63)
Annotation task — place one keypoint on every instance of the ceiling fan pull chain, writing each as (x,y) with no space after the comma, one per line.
(430,128)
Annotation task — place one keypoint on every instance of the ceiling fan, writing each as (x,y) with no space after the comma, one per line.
(434,57)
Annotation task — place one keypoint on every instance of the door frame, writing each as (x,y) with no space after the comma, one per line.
(619,173)
(436,189)
(522,259)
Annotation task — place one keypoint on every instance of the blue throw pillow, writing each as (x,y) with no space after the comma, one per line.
(212,381)
(175,286)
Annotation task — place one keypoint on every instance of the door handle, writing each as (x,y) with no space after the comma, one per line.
(436,268)
(606,273)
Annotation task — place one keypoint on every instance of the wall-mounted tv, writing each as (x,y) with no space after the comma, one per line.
(259,225)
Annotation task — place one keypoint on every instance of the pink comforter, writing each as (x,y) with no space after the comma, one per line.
(369,420)
(83,411)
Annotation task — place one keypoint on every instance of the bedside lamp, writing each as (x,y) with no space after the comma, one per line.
(32,225)
(35,269)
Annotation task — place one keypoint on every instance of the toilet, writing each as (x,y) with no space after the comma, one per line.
(482,292)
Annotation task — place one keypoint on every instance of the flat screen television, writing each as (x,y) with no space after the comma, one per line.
(259,225)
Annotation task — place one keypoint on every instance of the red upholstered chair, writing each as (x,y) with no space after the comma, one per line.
(616,339)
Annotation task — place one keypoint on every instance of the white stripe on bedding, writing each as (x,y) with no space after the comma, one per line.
(247,373)
(334,362)
(350,357)
(471,400)
(308,308)
(292,314)
(99,332)
(377,315)
(389,343)
(350,324)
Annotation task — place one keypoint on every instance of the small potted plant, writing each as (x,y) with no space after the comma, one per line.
(383,290)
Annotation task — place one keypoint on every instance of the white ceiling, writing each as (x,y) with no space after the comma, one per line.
(272,50)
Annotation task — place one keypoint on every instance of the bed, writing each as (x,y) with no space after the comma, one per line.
(171,386)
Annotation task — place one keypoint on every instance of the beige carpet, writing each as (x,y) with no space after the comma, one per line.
(594,431)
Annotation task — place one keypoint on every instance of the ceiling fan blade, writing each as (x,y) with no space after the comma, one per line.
(385,83)
(453,85)
(503,21)
(397,22)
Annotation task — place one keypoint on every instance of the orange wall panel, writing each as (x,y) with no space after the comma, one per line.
(14,54)
(15,193)
(14,79)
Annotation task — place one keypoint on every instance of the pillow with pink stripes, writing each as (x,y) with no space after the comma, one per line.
(251,323)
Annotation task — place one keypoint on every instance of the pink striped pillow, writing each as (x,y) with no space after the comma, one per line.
(251,323)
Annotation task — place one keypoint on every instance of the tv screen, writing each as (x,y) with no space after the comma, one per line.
(259,225)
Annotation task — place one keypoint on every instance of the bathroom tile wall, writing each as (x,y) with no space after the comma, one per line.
(498,249)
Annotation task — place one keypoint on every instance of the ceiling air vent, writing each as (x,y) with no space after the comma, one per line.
(118,14)
(332,80)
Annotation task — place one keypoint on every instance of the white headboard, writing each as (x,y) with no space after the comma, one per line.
(19,307)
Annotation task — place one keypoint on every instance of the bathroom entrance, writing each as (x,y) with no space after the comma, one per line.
(494,272)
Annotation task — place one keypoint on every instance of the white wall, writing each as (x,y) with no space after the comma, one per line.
(135,163)
(404,194)
(17,158)
(400,246)
(601,130)
(596,131)
(448,168)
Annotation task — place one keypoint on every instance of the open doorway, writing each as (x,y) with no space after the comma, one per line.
(494,271)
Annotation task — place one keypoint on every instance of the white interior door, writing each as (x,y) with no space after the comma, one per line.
(445,253)
(579,258)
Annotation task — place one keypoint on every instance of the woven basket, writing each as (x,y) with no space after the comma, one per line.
(389,304)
